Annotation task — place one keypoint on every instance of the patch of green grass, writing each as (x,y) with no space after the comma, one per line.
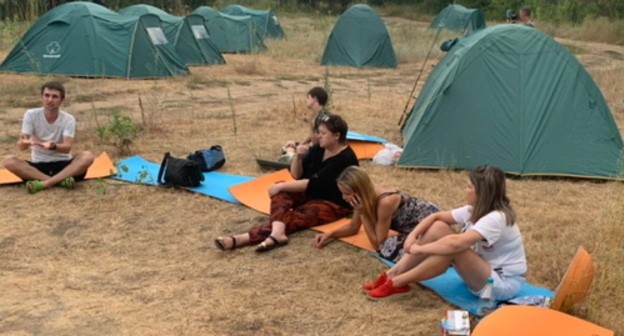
(8,138)
(575,50)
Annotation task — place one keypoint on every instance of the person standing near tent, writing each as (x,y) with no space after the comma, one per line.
(49,133)
(489,245)
(312,199)
(379,210)
(525,16)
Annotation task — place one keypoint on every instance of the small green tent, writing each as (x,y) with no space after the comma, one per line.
(511,96)
(85,39)
(459,18)
(266,21)
(359,39)
(231,34)
(189,35)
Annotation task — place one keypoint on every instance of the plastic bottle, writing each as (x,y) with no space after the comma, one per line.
(486,300)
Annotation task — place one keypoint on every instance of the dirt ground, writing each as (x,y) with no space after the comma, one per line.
(112,258)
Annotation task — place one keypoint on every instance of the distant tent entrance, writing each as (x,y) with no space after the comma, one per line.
(359,39)
(513,97)
(266,21)
(188,35)
(459,18)
(231,34)
(85,39)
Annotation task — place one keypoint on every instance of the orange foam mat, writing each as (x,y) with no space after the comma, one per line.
(102,167)
(365,150)
(254,194)
(536,321)
(576,281)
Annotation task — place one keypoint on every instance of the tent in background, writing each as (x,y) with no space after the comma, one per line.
(189,35)
(85,39)
(231,34)
(511,96)
(459,18)
(266,21)
(359,39)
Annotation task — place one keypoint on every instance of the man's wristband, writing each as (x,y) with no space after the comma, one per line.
(53,146)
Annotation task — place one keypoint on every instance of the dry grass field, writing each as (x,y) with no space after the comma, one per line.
(112,258)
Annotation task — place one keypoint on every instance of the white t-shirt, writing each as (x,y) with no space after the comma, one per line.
(36,125)
(502,246)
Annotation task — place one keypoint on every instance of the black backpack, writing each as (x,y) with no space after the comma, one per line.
(179,172)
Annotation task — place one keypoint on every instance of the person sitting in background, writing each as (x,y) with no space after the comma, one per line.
(489,245)
(49,134)
(525,16)
(379,210)
(313,199)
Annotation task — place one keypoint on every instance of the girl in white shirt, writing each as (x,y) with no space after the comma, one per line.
(489,245)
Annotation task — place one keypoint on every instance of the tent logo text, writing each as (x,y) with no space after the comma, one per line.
(53,48)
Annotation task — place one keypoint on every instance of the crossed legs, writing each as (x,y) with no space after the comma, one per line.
(25,171)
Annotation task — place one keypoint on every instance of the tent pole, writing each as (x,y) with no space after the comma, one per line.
(409,99)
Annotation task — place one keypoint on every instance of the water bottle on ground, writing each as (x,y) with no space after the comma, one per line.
(486,299)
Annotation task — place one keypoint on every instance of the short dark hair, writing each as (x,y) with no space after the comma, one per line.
(320,94)
(335,124)
(526,10)
(54,85)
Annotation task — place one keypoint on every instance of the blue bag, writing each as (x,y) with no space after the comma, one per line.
(209,159)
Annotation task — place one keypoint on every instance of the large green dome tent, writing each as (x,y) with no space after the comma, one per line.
(266,21)
(86,39)
(189,35)
(359,39)
(511,96)
(459,18)
(231,34)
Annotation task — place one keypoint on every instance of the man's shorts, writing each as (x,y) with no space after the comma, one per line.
(54,167)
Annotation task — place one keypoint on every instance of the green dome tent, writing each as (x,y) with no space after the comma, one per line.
(459,18)
(359,39)
(85,39)
(511,96)
(266,21)
(231,34)
(189,35)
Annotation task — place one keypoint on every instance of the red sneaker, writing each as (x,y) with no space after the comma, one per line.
(381,279)
(387,290)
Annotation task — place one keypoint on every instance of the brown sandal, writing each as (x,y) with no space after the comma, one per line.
(220,246)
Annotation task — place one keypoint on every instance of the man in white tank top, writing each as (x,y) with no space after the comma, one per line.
(49,133)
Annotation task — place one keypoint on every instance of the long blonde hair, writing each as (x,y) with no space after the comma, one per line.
(489,183)
(356,180)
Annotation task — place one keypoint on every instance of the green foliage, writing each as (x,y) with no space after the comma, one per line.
(120,131)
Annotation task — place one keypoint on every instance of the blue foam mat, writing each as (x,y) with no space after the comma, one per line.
(452,288)
(363,137)
(136,169)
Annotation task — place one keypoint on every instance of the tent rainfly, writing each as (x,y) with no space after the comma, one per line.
(189,35)
(231,34)
(86,39)
(266,21)
(511,96)
(359,39)
(459,18)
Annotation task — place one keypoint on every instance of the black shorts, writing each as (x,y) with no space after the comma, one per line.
(54,167)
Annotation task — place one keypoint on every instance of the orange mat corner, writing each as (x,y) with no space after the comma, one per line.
(365,150)
(102,167)
(536,321)
(254,193)
(360,239)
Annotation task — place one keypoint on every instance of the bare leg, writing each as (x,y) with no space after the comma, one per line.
(22,169)
(436,231)
(227,242)
(78,166)
(278,231)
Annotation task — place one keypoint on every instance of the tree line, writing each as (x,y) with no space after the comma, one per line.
(573,11)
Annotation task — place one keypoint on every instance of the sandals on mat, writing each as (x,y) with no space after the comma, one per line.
(264,247)
(219,243)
